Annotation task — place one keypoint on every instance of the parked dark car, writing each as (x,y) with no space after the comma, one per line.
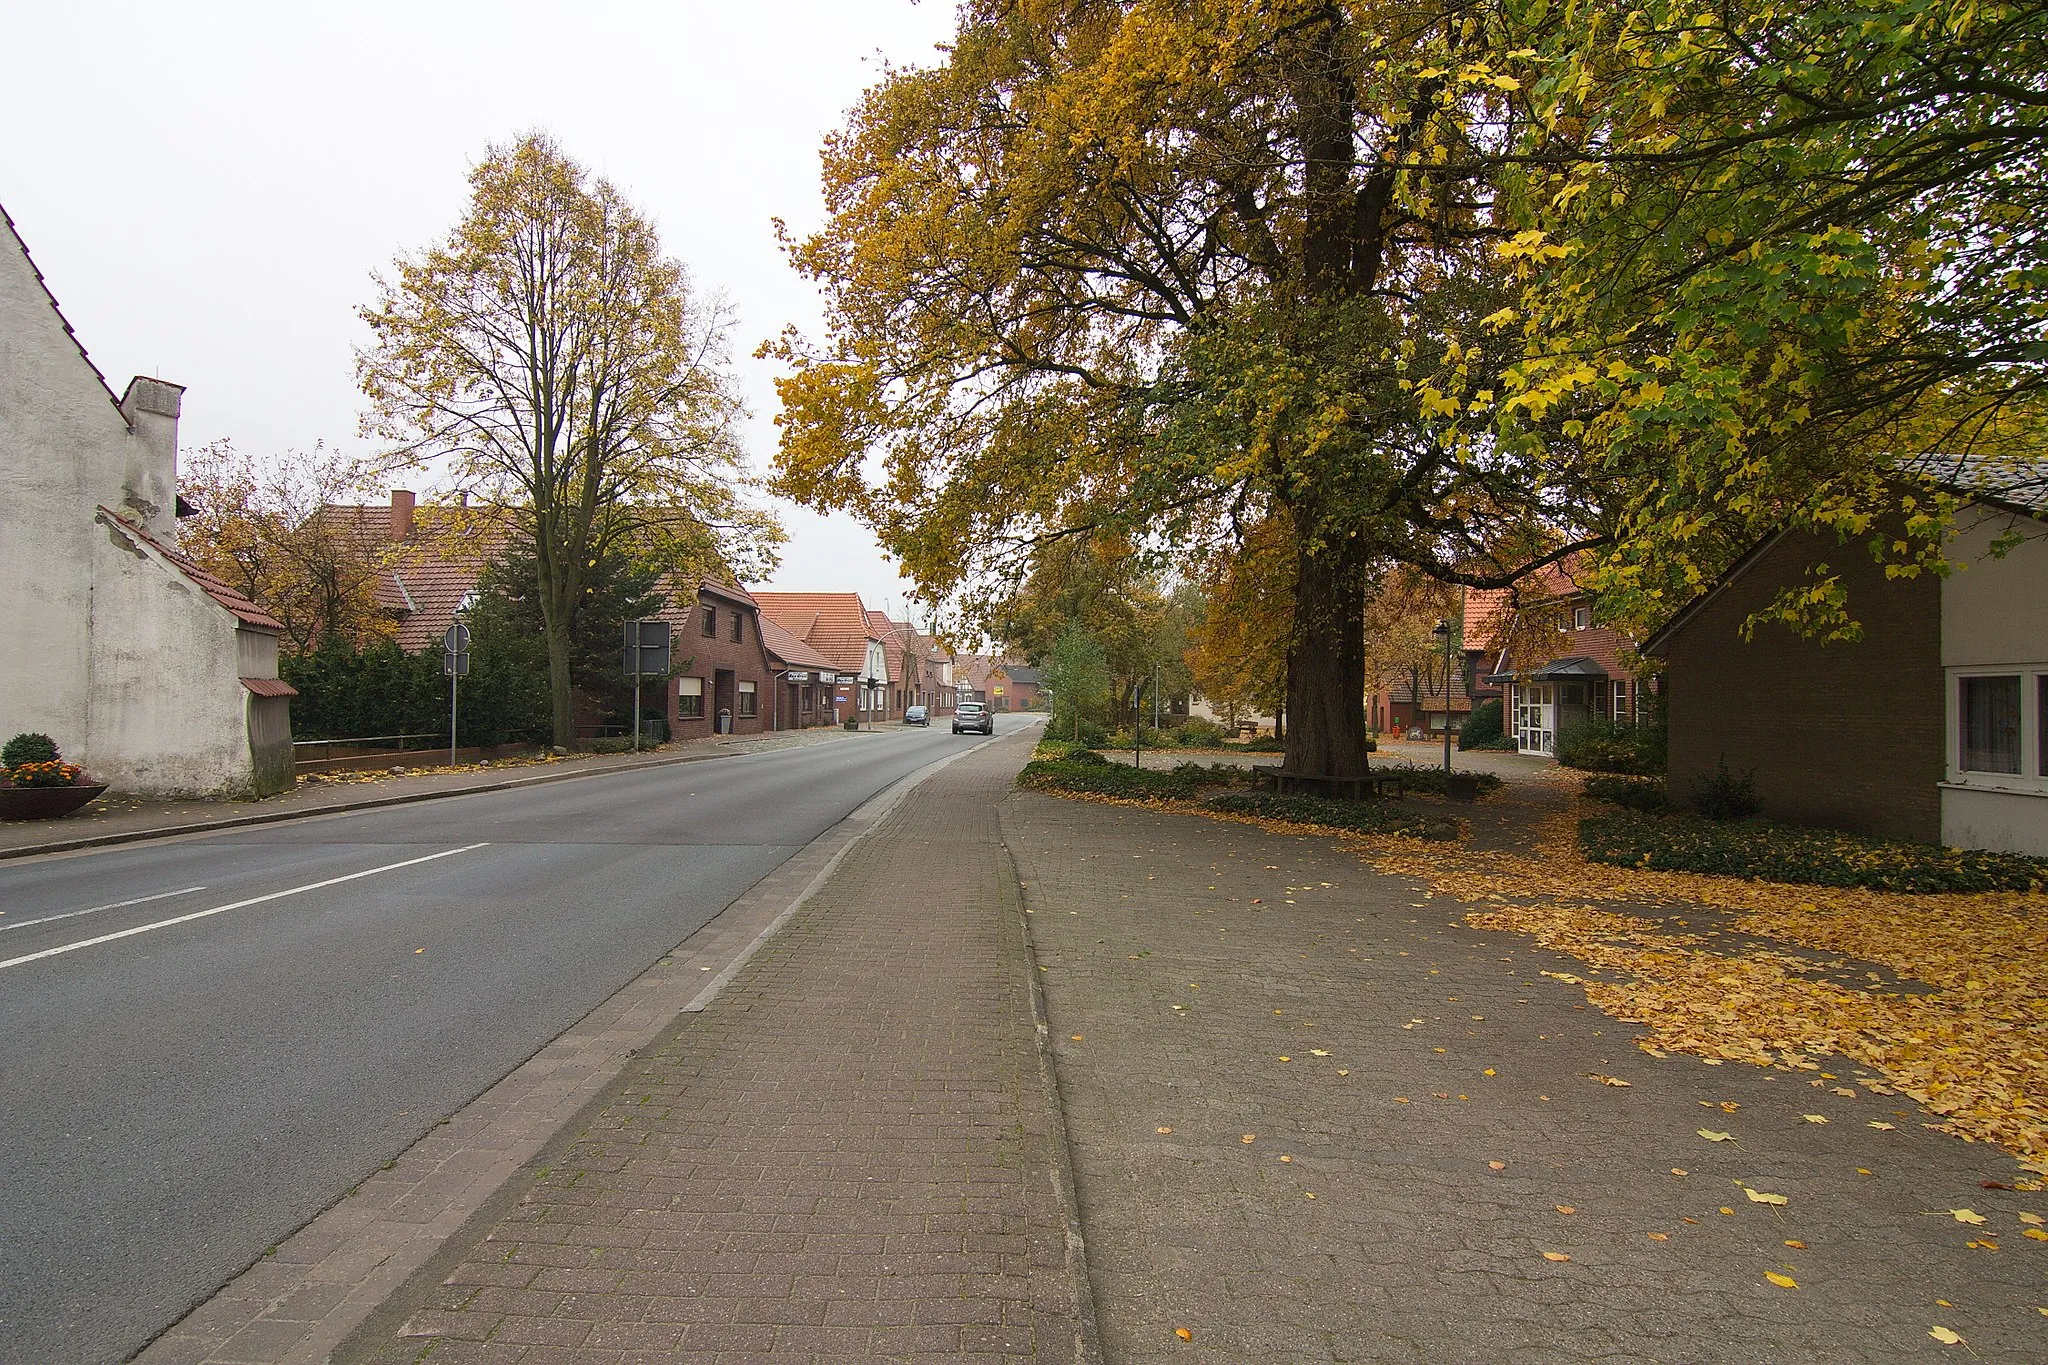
(917,715)
(972,715)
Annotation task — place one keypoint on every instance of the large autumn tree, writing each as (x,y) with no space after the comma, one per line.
(1781,260)
(1175,268)
(551,359)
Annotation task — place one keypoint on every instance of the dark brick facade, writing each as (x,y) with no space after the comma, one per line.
(723,663)
(1843,736)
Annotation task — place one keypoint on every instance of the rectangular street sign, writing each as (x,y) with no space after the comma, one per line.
(454,664)
(647,649)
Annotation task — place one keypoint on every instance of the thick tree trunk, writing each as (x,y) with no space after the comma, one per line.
(1326,732)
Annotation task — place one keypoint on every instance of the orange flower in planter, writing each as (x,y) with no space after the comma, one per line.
(53,773)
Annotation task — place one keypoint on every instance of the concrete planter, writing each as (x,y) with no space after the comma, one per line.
(45,803)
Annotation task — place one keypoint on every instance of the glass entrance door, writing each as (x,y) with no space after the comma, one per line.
(1536,718)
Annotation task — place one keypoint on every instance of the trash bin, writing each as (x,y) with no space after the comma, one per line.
(724,720)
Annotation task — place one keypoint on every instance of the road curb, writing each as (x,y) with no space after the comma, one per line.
(1088,1346)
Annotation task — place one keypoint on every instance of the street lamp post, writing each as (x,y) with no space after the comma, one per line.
(1442,632)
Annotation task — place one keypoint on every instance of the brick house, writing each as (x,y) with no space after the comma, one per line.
(836,626)
(806,681)
(722,682)
(1931,727)
(1555,666)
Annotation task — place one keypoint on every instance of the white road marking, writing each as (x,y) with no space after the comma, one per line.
(236,905)
(117,905)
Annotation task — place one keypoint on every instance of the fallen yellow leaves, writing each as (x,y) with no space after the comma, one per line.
(1565,1209)
(1184,1334)
(1782,1281)
(1944,1335)
(1712,1136)
(1970,1216)
(1609,1080)
(1974,1049)
(1556,1256)
(1759,1197)
(1814,1118)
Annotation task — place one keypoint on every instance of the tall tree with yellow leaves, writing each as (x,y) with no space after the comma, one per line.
(1177,268)
(550,358)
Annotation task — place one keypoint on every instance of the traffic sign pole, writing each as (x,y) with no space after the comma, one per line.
(455,663)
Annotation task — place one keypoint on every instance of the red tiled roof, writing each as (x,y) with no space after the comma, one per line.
(789,651)
(270,687)
(833,623)
(244,610)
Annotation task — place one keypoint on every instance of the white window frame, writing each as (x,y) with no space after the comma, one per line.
(1536,718)
(1582,618)
(2031,778)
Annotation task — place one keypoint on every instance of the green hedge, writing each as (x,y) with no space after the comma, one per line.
(1430,781)
(1645,794)
(1367,817)
(1602,746)
(1105,779)
(1483,726)
(1757,850)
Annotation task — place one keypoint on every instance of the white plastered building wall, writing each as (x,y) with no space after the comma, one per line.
(1994,622)
(111,650)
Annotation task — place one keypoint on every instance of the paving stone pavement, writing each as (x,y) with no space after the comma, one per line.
(1315,1117)
(852,1154)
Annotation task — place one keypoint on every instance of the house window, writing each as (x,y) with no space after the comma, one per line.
(1620,703)
(690,698)
(1582,618)
(1988,724)
(749,702)
(710,621)
(739,626)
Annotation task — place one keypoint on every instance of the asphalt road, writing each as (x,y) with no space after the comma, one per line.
(176,1100)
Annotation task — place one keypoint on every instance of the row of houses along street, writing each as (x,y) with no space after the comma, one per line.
(162,680)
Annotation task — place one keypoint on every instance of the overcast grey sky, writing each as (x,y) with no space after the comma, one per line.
(207,187)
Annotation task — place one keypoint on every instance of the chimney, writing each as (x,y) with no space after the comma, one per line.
(149,477)
(401,513)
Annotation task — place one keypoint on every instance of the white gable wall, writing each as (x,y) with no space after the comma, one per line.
(167,712)
(110,650)
(1994,617)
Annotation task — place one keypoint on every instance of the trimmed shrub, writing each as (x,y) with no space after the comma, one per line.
(1483,726)
(1430,781)
(28,747)
(1756,850)
(1198,733)
(1645,794)
(1264,744)
(1603,746)
(1724,796)
(1102,778)
(1366,817)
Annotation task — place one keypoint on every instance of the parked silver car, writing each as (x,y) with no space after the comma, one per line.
(972,715)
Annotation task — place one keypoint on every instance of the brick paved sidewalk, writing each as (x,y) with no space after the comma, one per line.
(1315,1117)
(852,1155)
